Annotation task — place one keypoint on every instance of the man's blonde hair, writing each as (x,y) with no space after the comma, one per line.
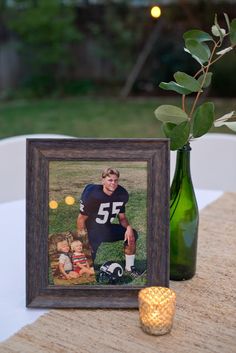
(110,171)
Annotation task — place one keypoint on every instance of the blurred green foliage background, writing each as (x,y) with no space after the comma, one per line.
(64,64)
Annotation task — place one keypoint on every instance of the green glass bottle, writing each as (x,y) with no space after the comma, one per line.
(184,217)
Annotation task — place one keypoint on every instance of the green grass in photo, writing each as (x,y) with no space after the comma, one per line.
(70,178)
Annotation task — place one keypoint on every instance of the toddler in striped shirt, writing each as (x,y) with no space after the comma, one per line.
(79,259)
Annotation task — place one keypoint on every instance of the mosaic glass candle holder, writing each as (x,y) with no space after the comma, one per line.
(156,309)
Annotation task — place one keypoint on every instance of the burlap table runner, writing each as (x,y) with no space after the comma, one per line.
(205,316)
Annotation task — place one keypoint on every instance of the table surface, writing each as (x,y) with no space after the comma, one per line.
(13,313)
(205,319)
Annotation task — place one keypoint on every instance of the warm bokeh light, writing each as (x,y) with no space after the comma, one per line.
(155,11)
(69,200)
(53,204)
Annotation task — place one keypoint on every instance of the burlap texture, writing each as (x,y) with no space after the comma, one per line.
(205,318)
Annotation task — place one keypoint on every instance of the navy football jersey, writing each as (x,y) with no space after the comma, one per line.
(100,207)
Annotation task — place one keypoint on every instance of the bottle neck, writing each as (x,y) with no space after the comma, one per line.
(182,189)
(183,161)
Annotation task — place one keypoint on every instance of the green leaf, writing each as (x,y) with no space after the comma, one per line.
(217,28)
(173,86)
(203,119)
(207,80)
(167,128)
(198,50)
(178,135)
(224,51)
(198,35)
(218,32)
(228,120)
(231,125)
(170,114)
(227,21)
(221,121)
(233,32)
(187,81)
(193,56)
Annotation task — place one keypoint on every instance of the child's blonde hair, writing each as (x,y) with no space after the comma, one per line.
(59,244)
(74,244)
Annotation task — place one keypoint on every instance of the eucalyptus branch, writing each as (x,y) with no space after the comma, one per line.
(199,71)
(178,124)
(210,63)
(203,81)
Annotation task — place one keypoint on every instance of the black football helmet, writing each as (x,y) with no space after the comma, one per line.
(110,272)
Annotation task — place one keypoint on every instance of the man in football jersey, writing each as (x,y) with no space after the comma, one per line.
(99,205)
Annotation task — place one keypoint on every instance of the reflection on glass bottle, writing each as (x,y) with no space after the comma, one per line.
(184,217)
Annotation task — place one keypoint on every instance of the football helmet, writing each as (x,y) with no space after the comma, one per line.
(110,272)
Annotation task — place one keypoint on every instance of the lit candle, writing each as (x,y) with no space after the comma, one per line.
(156,309)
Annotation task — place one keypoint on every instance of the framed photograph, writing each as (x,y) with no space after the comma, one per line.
(97,221)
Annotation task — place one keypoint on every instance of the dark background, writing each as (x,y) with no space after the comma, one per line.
(66,48)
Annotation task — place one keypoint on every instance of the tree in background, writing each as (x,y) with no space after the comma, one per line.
(45,31)
(72,47)
(119,34)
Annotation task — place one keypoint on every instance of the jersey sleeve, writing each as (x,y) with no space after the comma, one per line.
(86,201)
(125,199)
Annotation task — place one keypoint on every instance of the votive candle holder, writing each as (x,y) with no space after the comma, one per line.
(156,309)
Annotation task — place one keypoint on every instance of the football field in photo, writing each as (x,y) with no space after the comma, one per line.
(68,178)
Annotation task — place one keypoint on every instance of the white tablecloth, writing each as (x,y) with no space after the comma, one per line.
(13,313)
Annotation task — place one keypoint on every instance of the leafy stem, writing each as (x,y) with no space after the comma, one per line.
(179,125)
(204,79)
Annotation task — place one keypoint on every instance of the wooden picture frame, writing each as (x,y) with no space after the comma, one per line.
(42,155)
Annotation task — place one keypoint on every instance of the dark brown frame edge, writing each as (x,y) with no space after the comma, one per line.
(39,153)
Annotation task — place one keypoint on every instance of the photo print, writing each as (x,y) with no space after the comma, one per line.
(97,222)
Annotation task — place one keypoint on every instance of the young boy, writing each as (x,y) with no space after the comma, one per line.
(79,260)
